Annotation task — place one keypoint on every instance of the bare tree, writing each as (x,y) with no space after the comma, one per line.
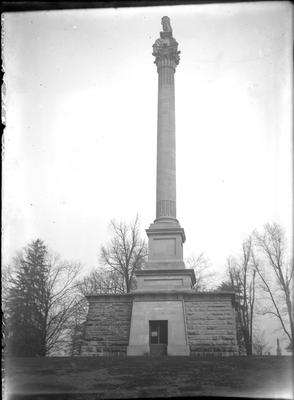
(242,276)
(260,345)
(276,274)
(102,281)
(201,265)
(6,280)
(125,253)
(61,301)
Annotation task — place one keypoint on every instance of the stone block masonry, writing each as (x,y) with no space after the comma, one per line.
(108,325)
(211,324)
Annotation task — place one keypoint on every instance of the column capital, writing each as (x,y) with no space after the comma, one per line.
(165,49)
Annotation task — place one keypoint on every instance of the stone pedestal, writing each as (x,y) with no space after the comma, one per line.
(165,246)
(199,324)
(145,308)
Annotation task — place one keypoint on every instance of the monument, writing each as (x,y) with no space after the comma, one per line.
(164,314)
(164,274)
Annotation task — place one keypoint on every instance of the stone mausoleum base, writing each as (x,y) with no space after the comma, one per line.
(199,323)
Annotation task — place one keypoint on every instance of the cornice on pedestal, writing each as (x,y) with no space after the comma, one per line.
(166,229)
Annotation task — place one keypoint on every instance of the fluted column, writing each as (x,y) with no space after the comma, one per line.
(166,60)
(165,235)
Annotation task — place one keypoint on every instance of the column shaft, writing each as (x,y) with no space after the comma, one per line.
(166,146)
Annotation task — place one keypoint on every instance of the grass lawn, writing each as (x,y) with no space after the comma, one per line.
(138,377)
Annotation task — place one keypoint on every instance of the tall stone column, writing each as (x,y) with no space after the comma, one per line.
(166,53)
(164,280)
(165,235)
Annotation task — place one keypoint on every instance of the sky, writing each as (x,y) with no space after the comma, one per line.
(81,116)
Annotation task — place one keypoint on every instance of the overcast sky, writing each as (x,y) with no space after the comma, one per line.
(81,114)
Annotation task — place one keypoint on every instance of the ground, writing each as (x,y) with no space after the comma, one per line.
(138,377)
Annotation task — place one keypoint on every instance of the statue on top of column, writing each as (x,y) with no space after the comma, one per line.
(166,47)
(166,26)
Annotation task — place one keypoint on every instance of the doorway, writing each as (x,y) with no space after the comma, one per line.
(158,335)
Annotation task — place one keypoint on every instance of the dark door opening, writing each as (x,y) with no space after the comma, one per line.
(158,335)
